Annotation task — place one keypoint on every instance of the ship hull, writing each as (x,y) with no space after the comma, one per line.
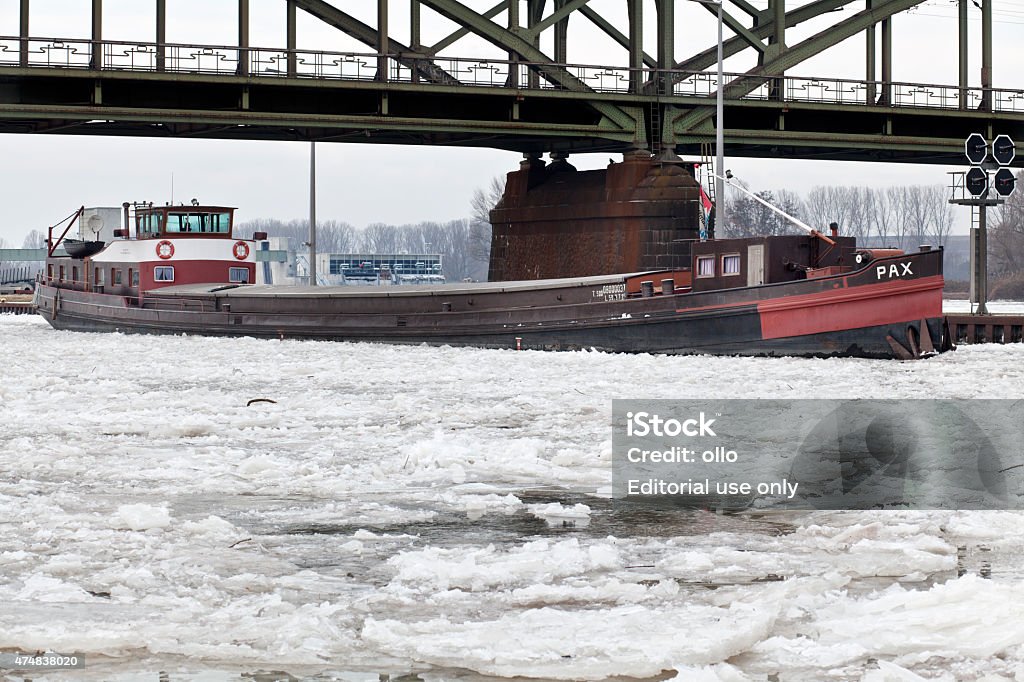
(861,314)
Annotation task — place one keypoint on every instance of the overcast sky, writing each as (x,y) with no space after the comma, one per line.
(46,177)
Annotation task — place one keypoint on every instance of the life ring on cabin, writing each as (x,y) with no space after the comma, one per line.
(164,249)
(240,250)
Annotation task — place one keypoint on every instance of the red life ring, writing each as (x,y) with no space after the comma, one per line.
(164,249)
(240,250)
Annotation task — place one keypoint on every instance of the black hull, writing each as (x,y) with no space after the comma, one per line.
(733,339)
(854,314)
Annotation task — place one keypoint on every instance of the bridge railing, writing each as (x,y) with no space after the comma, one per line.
(258,62)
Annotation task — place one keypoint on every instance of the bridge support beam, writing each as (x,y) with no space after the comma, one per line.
(383,44)
(415,25)
(986,55)
(535,11)
(293,63)
(243,37)
(561,35)
(415,34)
(96,60)
(635,46)
(666,42)
(778,37)
(161,35)
(776,44)
(23,33)
(513,58)
(885,97)
(964,61)
(662,136)
(870,71)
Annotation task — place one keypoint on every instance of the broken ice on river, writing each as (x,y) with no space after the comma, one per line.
(443,512)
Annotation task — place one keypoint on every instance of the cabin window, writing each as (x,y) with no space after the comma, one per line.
(731,264)
(163,273)
(62,273)
(99,277)
(199,223)
(115,275)
(49,272)
(238,275)
(133,277)
(74,273)
(705,266)
(148,224)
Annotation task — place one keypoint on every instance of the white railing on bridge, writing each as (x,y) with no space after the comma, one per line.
(474,72)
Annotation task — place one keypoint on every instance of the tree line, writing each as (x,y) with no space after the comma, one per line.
(458,241)
(902,217)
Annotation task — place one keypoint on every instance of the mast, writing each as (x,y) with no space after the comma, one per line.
(312,214)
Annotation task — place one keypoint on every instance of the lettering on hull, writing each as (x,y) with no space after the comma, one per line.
(893,271)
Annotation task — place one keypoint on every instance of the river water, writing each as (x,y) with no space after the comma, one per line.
(443,514)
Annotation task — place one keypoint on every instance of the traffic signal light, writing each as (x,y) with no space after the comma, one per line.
(1004,182)
(977,181)
(1003,150)
(976,148)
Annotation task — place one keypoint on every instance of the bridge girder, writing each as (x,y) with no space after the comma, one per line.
(790,57)
(420,94)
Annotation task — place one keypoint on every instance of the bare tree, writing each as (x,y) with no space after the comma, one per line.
(381,238)
(879,215)
(940,217)
(849,207)
(828,204)
(35,239)
(1006,235)
(483,202)
(748,217)
(902,222)
(333,236)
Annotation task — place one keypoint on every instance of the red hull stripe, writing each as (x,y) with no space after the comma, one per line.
(895,301)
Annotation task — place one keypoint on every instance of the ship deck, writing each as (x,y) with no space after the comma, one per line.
(347,291)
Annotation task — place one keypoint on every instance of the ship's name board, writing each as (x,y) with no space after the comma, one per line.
(893,270)
(611,292)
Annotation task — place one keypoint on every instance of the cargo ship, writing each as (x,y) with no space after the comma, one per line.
(182,269)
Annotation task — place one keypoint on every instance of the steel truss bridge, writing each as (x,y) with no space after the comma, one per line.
(519,96)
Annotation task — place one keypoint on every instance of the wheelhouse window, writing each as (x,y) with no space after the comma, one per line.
(149,224)
(133,277)
(731,264)
(238,275)
(49,272)
(163,273)
(99,277)
(198,223)
(74,273)
(62,273)
(705,266)
(115,275)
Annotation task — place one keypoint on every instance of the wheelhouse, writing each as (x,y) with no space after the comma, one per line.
(158,222)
